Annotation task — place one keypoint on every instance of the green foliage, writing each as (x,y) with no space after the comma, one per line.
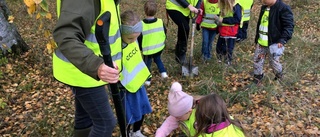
(3,104)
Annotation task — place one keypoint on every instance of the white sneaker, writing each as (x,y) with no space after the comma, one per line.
(164,75)
(147,83)
(137,134)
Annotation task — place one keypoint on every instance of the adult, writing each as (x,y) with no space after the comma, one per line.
(76,63)
(179,11)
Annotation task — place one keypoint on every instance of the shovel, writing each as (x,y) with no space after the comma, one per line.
(188,69)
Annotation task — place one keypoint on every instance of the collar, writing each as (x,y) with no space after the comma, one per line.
(215,127)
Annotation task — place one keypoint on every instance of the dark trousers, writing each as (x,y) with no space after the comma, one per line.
(225,48)
(93,109)
(183,31)
(157,59)
(242,32)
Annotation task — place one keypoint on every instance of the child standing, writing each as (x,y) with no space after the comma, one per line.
(274,29)
(209,27)
(134,74)
(230,17)
(246,6)
(195,121)
(152,39)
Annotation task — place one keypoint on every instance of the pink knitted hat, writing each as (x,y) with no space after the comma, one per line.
(179,103)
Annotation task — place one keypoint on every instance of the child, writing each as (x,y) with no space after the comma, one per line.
(134,74)
(209,27)
(274,29)
(213,118)
(195,122)
(246,10)
(152,39)
(230,17)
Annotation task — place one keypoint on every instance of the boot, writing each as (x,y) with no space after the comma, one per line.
(257,78)
(82,132)
(278,76)
(181,52)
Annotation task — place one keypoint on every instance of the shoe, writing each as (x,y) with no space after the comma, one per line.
(147,83)
(181,59)
(219,60)
(238,39)
(257,79)
(164,75)
(228,63)
(137,134)
(278,76)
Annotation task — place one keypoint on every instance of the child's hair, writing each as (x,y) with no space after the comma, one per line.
(212,109)
(226,6)
(150,8)
(129,18)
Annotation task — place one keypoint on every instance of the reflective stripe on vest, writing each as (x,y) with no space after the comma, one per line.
(211,10)
(66,72)
(263,28)
(174,5)
(134,72)
(246,7)
(153,37)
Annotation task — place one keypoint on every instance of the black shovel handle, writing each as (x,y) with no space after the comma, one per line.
(102,36)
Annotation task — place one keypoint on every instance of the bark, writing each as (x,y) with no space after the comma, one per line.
(10,39)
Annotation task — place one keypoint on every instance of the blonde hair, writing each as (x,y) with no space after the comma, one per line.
(226,6)
(129,18)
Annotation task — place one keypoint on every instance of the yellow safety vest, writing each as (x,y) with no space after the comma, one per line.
(66,72)
(174,5)
(153,37)
(263,29)
(211,10)
(230,14)
(246,10)
(230,131)
(134,72)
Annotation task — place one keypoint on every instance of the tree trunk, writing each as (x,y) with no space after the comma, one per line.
(10,39)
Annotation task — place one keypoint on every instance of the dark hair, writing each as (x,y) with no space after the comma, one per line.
(150,8)
(129,17)
(212,109)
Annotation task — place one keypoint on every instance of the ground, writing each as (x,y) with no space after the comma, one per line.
(33,103)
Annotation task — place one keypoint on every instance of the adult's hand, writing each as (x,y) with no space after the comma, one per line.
(193,9)
(108,74)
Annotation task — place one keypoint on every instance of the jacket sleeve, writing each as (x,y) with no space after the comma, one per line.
(183,3)
(73,26)
(236,19)
(199,18)
(170,124)
(287,24)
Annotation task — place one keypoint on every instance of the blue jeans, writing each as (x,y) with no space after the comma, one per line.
(93,109)
(207,39)
(225,48)
(157,59)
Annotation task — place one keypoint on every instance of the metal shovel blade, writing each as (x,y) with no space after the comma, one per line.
(190,71)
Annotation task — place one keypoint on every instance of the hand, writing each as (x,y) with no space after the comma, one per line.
(193,9)
(108,74)
(198,27)
(279,45)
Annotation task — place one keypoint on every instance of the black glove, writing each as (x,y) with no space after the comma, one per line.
(198,27)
